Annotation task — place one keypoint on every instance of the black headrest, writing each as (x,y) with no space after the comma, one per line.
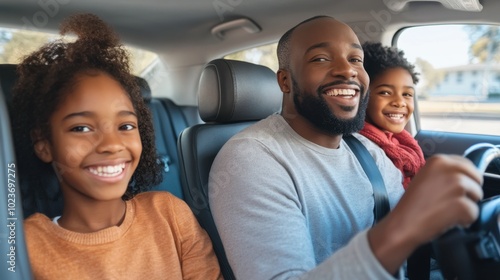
(232,91)
(8,77)
(145,89)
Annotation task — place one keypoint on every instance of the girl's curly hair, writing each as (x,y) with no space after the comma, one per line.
(379,58)
(47,75)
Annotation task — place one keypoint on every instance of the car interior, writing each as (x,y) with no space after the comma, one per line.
(200,93)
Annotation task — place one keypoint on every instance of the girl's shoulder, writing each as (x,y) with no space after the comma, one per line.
(36,220)
(35,217)
(160,200)
(38,226)
(156,196)
(164,206)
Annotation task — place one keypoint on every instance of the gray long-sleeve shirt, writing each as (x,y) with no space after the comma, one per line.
(288,208)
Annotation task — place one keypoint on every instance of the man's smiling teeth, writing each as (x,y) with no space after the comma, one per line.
(395,116)
(107,171)
(341,92)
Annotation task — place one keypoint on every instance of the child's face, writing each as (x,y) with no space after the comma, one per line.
(95,145)
(391,100)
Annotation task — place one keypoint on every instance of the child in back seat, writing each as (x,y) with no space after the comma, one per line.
(81,111)
(391,104)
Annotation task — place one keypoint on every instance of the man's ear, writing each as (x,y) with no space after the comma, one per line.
(283,80)
(42,147)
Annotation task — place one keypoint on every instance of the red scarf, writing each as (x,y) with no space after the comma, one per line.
(401,148)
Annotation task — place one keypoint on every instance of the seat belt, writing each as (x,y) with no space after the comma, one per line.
(419,262)
(366,160)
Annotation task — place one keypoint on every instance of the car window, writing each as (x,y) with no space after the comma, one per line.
(459,88)
(16,43)
(263,55)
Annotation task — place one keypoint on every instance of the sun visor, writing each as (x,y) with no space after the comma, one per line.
(461,5)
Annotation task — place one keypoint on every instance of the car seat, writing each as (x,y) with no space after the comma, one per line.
(232,96)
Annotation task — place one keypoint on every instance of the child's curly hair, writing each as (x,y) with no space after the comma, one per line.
(379,58)
(48,74)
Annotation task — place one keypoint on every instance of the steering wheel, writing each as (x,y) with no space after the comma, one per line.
(474,252)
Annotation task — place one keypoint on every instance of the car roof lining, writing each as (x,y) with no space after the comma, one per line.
(194,19)
(152,27)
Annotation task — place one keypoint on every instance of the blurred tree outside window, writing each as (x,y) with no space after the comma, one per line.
(15,44)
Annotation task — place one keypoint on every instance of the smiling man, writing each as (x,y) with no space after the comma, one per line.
(296,203)
(321,100)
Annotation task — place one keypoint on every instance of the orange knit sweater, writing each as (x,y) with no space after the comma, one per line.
(159,238)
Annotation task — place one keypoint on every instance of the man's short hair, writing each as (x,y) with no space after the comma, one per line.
(283,50)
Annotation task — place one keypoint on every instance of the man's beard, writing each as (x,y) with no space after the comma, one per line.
(314,108)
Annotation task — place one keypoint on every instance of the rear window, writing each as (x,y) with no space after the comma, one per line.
(17,43)
(459,88)
(263,55)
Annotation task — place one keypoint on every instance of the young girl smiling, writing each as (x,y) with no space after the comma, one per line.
(391,104)
(84,116)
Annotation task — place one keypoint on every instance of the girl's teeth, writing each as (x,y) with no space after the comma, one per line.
(395,116)
(107,171)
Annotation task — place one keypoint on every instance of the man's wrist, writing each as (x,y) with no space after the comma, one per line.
(391,244)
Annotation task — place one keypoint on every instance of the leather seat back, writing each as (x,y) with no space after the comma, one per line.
(232,96)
